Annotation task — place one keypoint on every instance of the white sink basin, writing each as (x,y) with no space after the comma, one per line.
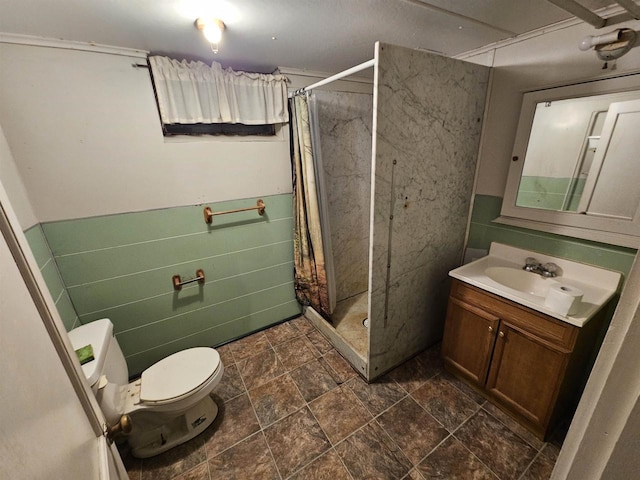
(521,280)
(501,273)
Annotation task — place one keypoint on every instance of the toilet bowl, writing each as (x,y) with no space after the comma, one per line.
(169,404)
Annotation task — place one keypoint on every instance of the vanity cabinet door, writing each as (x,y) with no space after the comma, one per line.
(526,374)
(469,337)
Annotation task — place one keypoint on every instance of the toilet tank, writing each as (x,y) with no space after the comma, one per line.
(108,358)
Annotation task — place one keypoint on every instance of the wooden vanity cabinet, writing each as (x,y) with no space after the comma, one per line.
(469,340)
(531,365)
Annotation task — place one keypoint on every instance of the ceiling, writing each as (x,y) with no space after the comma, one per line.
(315,35)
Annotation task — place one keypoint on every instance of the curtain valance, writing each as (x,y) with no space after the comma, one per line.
(193,92)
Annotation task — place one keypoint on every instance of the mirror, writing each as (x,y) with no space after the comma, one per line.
(576,162)
(565,137)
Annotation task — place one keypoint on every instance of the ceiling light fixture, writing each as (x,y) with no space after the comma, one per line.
(212,29)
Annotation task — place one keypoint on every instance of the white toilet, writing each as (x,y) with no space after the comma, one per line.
(168,405)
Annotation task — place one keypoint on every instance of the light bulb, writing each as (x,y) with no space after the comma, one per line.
(212,33)
(585,44)
(593,41)
(212,29)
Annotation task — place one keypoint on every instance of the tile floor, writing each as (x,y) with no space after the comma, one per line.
(292,408)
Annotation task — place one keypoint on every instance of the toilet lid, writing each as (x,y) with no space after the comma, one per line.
(178,374)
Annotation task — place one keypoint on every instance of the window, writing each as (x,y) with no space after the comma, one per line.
(195,99)
(238,129)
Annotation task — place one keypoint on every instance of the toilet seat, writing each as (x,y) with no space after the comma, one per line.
(178,375)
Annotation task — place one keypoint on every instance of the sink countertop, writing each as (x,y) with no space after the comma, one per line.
(597,284)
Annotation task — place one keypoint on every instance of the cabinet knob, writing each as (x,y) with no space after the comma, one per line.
(501,334)
(490,329)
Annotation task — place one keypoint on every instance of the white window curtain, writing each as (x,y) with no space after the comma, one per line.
(193,92)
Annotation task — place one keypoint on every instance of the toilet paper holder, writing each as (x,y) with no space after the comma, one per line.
(178,283)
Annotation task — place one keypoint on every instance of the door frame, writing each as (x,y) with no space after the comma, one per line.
(19,249)
(600,442)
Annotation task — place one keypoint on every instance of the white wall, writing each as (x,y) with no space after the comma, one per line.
(13,185)
(551,59)
(360,82)
(85,134)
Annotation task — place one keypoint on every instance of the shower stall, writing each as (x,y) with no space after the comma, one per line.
(396,172)
(344,153)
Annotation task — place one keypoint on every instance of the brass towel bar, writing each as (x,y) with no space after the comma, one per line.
(208,214)
(178,283)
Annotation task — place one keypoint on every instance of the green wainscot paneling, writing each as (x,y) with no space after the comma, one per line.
(121,266)
(157,310)
(67,311)
(97,265)
(38,244)
(95,297)
(49,269)
(231,313)
(255,321)
(482,232)
(96,233)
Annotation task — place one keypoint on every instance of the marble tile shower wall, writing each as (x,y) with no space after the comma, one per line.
(121,267)
(345,141)
(49,269)
(427,121)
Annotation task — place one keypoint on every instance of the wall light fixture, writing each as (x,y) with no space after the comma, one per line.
(610,46)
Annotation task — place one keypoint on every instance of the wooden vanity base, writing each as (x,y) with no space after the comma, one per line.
(531,365)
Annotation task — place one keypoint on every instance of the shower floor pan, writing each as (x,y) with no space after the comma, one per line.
(347,334)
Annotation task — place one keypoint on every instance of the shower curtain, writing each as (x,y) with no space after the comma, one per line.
(309,256)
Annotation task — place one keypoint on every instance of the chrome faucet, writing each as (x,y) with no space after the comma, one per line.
(547,270)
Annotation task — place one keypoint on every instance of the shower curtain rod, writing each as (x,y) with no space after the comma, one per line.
(338,76)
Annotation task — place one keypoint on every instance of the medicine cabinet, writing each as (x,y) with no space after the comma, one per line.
(575,167)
